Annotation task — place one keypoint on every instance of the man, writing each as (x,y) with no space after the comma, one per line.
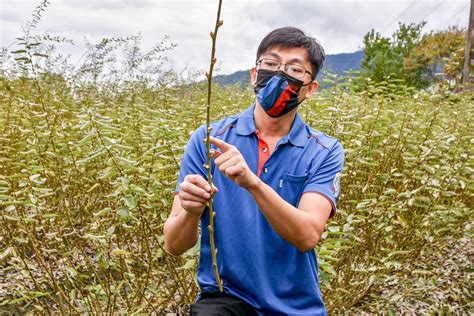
(276,183)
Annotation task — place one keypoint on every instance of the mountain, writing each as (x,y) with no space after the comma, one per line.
(241,77)
(337,63)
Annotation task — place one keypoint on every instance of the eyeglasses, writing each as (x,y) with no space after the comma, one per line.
(293,70)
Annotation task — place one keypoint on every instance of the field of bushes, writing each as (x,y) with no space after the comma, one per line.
(89,157)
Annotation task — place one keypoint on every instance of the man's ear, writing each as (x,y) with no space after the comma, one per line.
(312,87)
(253,76)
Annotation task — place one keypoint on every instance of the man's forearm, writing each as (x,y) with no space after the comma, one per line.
(181,232)
(292,224)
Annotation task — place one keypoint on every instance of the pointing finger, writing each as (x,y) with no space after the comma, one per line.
(222,145)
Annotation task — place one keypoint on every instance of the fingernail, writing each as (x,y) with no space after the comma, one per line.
(208,188)
(207,195)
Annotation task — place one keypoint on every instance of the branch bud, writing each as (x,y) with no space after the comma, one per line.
(212,35)
(220,23)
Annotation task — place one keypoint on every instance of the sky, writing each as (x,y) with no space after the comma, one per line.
(339,25)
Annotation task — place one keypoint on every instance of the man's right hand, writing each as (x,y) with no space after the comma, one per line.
(194,194)
(181,228)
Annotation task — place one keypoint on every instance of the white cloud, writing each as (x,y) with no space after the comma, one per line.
(338,25)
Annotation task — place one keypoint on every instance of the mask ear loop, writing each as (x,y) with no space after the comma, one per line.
(304,85)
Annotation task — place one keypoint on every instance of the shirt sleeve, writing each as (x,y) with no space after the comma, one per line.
(325,180)
(194,157)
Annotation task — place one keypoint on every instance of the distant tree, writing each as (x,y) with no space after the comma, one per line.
(385,56)
(376,59)
(438,53)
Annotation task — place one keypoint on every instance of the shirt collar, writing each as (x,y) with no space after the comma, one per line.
(245,122)
(297,135)
(246,126)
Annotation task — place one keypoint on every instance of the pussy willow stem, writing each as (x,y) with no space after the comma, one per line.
(208,146)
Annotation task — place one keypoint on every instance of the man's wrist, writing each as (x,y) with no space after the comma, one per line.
(255,183)
(192,216)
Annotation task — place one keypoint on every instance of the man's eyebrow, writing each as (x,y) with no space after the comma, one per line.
(273,54)
(291,61)
(296,60)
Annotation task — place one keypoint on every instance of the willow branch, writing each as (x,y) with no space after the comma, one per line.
(208,146)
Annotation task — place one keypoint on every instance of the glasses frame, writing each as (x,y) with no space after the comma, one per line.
(258,64)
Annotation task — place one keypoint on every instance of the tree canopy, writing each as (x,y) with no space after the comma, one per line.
(416,58)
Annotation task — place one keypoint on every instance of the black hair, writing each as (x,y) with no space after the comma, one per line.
(288,37)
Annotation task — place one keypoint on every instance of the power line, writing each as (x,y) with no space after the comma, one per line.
(451,18)
(403,12)
(433,10)
(457,13)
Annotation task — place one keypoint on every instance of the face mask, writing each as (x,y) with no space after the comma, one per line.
(277,92)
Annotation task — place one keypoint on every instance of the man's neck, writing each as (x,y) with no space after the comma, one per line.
(269,126)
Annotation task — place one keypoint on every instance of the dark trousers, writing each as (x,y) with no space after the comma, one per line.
(221,304)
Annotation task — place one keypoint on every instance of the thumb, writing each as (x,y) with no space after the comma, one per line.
(215,153)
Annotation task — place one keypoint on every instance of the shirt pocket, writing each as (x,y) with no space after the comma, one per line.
(291,187)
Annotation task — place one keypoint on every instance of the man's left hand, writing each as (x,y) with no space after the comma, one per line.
(232,164)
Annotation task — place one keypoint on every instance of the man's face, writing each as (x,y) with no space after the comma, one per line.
(293,55)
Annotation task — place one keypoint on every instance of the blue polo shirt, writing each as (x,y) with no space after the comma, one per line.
(255,263)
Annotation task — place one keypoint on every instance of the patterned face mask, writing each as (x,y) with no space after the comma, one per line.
(277,92)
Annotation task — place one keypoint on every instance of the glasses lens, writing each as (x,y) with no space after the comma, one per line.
(295,71)
(269,64)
